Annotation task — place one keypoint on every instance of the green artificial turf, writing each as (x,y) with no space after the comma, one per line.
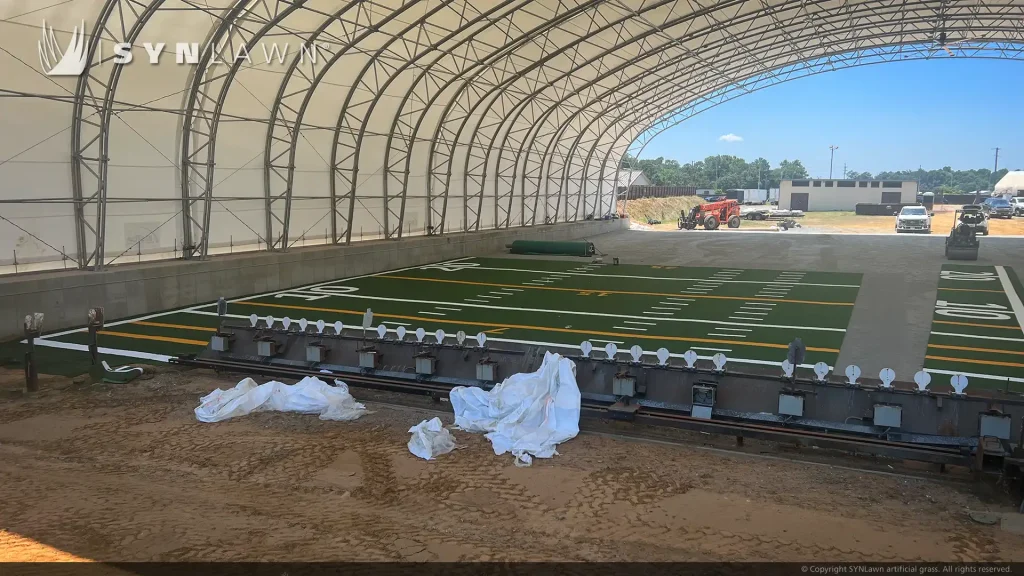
(516,299)
(987,337)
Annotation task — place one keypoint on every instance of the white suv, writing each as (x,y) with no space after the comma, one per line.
(914,219)
(1018,205)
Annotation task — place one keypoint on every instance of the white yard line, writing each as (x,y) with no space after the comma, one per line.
(431,313)
(979,337)
(493,306)
(673,308)
(680,299)
(122,322)
(449,309)
(751,313)
(488,297)
(728,335)
(735,329)
(974,375)
(657,277)
(759,304)
(1015,303)
(477,301)
(396,323)
(502,293)
(640,323)
(658,313)
(744,318)
(628,328)
(165,359)
(107,351)
(243,299)
(606,341)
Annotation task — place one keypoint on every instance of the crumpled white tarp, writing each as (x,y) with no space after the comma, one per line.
(527,414)
(430,439)
(310,396)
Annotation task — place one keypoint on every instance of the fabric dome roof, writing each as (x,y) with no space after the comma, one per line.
(1013,182)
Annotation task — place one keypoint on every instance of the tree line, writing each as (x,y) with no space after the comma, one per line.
(725,172)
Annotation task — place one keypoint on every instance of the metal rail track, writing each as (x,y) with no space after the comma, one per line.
(645,415)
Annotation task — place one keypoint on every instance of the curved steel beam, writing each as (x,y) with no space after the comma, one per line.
(203,111)
(398,153)
(90,132)
(845,16)
(498,91)
(451,137)
(652,127)
(769,71)
(283,131)
(378,89)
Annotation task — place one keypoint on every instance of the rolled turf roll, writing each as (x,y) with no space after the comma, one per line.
(551,248)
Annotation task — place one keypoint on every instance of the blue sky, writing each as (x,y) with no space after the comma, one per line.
(946,112)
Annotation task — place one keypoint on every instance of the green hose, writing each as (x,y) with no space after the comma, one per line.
(552,248)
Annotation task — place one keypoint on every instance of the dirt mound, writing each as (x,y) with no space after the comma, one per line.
(663,209)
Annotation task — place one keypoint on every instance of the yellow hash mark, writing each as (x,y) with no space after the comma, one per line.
(545,329)
(660,294)
(498,331)
(969,349)
(972,361)
(157,338)
(975,324)
(174,326)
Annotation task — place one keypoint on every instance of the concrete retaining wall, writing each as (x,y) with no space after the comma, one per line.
(133,290)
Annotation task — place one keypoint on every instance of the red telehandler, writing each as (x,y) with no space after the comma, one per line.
(711,215)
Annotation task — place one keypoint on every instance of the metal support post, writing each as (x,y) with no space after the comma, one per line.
(33,329)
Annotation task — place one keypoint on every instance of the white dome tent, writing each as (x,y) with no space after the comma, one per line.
(1011,185)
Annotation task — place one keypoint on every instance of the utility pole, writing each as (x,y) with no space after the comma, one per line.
(996,169)
(845,173)
(831,157)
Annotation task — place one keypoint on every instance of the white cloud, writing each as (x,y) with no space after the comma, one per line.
(730,137)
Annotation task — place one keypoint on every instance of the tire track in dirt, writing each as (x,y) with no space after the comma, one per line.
(127,474)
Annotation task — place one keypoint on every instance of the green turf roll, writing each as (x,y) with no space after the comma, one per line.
(552,248)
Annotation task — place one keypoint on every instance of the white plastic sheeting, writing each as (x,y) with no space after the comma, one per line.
(310,396)
(430,439)
(527,414)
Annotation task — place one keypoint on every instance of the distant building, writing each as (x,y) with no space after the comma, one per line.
(629,178)
(820,195)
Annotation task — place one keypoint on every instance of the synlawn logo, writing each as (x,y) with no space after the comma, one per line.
(73,59)
(70,61)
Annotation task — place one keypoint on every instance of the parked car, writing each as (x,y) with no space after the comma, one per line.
(914,219)
(1018,205)
(997,208)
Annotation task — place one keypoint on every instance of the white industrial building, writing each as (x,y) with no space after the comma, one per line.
(819,195)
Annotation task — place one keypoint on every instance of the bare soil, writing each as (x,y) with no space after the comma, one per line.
(126,473)
(848,222)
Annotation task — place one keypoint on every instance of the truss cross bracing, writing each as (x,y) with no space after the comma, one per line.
(267,124)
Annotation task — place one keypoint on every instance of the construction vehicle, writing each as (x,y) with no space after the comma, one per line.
(963,243)
(711,215)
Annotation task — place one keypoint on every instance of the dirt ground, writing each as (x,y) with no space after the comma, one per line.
(848,222)
(127,474)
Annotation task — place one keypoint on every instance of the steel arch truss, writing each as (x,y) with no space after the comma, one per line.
(527,104)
